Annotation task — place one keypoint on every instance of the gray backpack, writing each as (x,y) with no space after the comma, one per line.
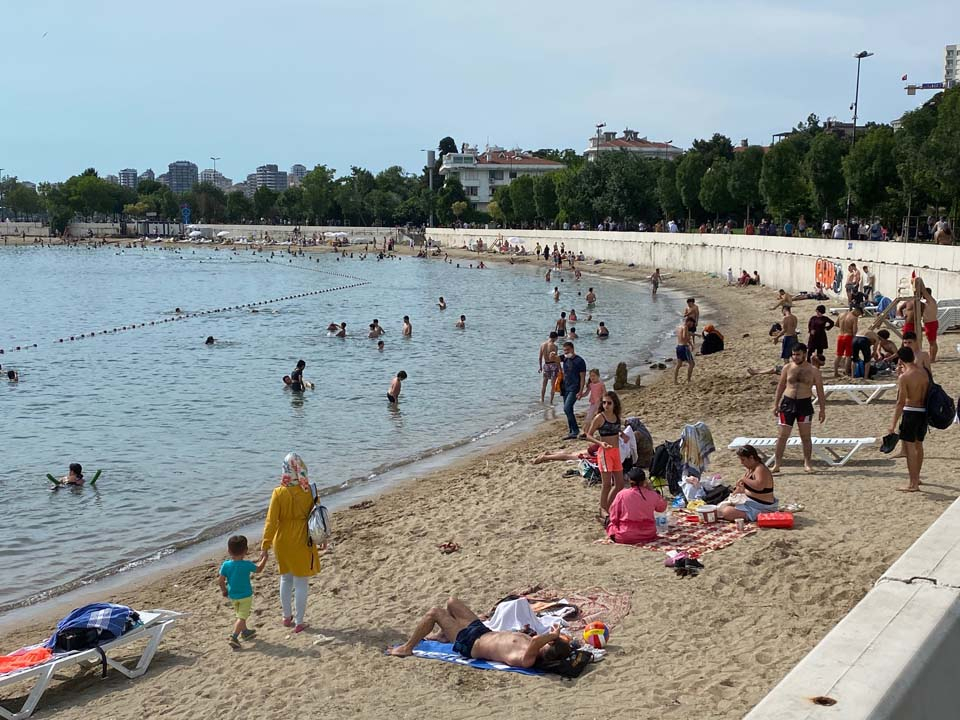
(318,522)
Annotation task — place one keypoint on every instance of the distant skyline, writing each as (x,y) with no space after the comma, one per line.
(361,82)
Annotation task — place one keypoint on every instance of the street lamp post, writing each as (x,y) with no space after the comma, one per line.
(431,159)
(856,106)
(214,164)
(596,155)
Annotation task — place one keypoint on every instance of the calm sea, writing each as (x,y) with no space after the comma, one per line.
(190,437)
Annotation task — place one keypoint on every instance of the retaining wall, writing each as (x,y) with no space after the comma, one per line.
(794,264)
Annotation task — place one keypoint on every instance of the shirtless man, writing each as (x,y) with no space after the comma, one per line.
(342,330)
(378,328)
(853,281)
(442,304)
(886,349)
(911,411)
(794,403)
(921,358)
(549,365)
(655,280)
(783,298)
(685,348)
(692,312)
(407,327)
(591,297)
(561,327)
(461,323)
(931,325)
(473,639)
(393,394)
(788,333)
(556,294)
(847,324)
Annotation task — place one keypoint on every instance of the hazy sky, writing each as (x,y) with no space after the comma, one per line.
(114,84)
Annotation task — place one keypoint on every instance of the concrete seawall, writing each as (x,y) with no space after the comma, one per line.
(794,264)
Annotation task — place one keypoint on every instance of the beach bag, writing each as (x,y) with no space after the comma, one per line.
(558,382)
(589,472)
(717,495)
(941,410)
(318,522)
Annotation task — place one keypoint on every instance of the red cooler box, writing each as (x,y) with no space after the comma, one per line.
(783,520)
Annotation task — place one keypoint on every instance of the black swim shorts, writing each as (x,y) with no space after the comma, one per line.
(468,636)
(913,425)
(794,410)
(391,398)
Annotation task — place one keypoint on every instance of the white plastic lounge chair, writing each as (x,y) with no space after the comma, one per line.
(867,310)
(823,448)
(861,394)
(155,624)
(949,317)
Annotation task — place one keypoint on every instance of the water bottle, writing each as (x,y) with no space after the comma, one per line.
(662,523)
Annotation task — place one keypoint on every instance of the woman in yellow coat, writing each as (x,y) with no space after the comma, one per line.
(286,532)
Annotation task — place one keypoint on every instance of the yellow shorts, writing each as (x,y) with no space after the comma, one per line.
(242,607)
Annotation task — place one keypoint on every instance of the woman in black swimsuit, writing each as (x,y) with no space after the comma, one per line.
(606,428)
(756,484)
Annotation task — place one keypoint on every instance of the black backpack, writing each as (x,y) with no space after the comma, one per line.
(571,666)
(941,410)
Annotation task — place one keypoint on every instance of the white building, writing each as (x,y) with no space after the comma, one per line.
(482,173)
(216,178)
(951,66)
(271,177)
(630,141)
(146,175)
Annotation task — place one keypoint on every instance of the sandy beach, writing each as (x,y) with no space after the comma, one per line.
(709,646)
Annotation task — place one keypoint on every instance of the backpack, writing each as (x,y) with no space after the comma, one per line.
(87,627)
(318,522)
(571,666)
(589,471)
(941,410)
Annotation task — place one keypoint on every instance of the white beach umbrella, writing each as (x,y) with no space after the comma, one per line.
(515,241)
(196,233)
(223,233)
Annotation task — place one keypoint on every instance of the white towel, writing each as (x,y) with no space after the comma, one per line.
(512,615)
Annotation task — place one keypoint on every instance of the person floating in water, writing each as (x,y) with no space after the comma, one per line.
(74,475)
(380,345)
(602,330)
(210,340)
(462,322)
(178,311)
(442,304)
(393,394)
(13,376)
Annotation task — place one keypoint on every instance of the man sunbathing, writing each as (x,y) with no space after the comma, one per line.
(473,639)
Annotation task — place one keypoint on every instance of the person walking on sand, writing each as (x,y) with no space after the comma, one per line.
(285,532)
(549,365)
(911,412)
(655,280)
(931,322)
(684,349)
(817,327)
(794,404)
(574,381)
(234,581)
(393,394)
(788,333)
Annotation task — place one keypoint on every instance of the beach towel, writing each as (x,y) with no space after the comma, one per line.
(699,538)
(594,604)
(433,650)
(25,657)
(696,445)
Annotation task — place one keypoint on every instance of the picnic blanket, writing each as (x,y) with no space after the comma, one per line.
(433,650)
(699,538)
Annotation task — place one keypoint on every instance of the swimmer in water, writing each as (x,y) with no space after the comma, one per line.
(178,311)
(442,304)
(342,331)
(74,476)
(602,330)
(296,377)
(209,340)
(573,315)
(572,335)
(462,322)
(333,328)
(393,394)
(407,327)
(373,331)
(591,296)
(378,327)
(556,294)
(380,345)
(13,376)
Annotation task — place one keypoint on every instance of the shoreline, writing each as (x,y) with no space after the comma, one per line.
(520,524)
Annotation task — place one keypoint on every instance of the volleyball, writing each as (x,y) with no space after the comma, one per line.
(595,634)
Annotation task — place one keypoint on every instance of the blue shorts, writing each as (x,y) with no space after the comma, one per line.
(786,345)
(751,508)
(468,636)
(683,353)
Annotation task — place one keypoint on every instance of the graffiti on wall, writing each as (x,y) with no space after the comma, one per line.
(829,274)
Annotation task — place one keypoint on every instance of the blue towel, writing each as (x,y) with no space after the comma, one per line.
(110,619)
(432,650)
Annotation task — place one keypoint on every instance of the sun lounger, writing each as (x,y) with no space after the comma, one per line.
(861,394)
(155,624)
(949,317)
(823,448)
(867,310)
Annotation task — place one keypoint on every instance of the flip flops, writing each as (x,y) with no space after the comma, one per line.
(889,443)
(448,547)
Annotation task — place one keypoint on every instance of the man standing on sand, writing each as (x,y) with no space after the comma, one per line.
(921,358)
(473,639)
(574,379)
(911,411)
(931,323)
(692,311)
(853,282)
(794,403)
(788,333)
(549,365)
(655,280)
(869,283)
(847,324)
(684,348)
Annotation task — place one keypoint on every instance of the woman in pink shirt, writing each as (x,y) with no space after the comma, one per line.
(631,513)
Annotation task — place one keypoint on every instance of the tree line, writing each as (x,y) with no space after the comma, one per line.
(811,172)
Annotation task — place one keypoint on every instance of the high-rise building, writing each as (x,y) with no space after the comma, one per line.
(128,178)
(296,174)
(147,175)
(112,179)
(951,66)
(269,176)
(216,178)
(182,176)
(164,179)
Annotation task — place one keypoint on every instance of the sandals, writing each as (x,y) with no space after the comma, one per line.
(288,621)
(448,547)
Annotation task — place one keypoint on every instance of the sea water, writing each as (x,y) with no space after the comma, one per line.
(190,437)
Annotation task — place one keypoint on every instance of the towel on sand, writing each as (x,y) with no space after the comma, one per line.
(699,538)
(433,650)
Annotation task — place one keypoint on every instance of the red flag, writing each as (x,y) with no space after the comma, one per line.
(904,77)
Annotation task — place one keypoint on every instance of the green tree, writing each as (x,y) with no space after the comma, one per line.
(824,165)
(493,209)
(783,182)
(504,204)
(92,195)
(714,194)
(239,208)
(690,172)
(291,205)
(447,145)
(459,208)
(148,187)
(545,196)
(577,188)
(59,208)
(627,191)
(870,169)
(21,200)
(915,167)
(744,182)
(265,203)
(207,202)
(523,199)
(451,192)
(716,148)
(137,209)
(319,190)
(352,191)
(942,148)
(568,156)
(668,195)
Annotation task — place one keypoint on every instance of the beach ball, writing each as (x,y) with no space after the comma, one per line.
(595,634)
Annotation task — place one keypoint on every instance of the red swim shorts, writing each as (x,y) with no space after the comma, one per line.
(845,346)
(608,459)
(909,327)
(930,330)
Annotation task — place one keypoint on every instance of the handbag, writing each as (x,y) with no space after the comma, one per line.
(318,521)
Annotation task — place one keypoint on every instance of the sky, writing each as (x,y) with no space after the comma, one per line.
(113,84)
